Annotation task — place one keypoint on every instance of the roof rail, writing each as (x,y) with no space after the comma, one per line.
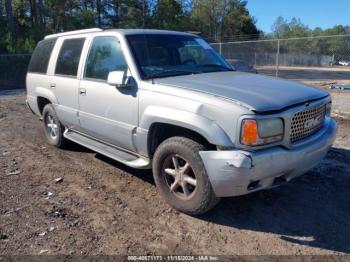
(91,30)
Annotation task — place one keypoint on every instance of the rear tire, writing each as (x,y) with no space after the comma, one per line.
(181,178)
(53,128)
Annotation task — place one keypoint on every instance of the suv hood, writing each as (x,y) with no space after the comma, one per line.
(259,93)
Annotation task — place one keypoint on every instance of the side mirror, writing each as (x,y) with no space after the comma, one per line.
(117,78)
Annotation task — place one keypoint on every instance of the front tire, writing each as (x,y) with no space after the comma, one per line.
(53,128)
(181,178)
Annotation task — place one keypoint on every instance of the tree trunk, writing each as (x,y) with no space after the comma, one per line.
(84,5)
(40,12)
(33,12)
(117,14)
(10,20)
(60,16)
(99,10)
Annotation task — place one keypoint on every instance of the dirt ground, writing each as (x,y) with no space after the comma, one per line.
(339,74)
(103,207)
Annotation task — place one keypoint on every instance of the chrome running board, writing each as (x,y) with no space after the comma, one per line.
(118,154)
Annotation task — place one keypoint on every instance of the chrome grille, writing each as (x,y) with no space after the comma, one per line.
(307,122)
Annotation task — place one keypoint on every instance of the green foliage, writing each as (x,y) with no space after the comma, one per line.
(216,20)
(295,28)
(284,29)
(335,46)
(33,19)
(223,19)
(168,14)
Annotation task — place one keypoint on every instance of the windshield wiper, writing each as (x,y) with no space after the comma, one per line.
(169,73)
(218,66)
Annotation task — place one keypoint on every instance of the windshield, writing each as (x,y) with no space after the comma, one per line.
(171,55)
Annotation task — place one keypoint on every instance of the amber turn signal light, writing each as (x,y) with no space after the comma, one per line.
(249,134)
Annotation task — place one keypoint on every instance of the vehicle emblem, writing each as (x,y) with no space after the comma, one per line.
(311,123)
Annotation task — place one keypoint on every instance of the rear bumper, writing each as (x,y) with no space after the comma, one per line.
(238,172)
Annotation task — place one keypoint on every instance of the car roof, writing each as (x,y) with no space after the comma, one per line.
(148,31)
(120,31)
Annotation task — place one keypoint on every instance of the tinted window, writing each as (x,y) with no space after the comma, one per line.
(105,56)
(166,55)
(69,56)
(41,56)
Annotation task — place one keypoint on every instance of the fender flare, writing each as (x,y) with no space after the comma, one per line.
(207,128)
(46,93)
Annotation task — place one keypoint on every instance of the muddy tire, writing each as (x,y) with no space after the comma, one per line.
(53,128)
(181,178)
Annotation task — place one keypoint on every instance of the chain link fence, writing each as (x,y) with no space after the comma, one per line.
(310,58)
(324,58)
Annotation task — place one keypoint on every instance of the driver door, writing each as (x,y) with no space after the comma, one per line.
(106,112)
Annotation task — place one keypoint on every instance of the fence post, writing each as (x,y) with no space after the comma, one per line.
(254,59)
(277,57)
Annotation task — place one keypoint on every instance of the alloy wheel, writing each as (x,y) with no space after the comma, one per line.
(179,176)
(51,126)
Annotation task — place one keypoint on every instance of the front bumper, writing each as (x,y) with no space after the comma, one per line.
(238,172)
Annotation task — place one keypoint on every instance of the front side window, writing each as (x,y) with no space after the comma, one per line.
(69,57)
(162,55)
(104,57)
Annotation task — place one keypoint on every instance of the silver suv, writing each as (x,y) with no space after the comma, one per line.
(167,100)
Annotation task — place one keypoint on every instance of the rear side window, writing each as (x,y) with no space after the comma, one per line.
(69,57)
(41,56)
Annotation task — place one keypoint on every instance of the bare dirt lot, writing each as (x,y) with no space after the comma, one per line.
(102,207)
(312,74)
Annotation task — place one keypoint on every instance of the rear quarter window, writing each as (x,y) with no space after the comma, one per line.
(69,57)
(41,56)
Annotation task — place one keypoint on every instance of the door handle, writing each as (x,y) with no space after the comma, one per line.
(52,85)
(82,91)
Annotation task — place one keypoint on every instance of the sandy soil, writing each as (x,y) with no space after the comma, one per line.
(102,207)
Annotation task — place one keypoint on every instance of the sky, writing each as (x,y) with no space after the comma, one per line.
(314,13)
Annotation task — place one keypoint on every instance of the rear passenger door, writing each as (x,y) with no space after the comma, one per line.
(64,81)
(106,112)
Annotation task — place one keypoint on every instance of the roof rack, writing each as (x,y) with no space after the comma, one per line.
(91,30)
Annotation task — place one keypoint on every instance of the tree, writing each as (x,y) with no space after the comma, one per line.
(33,12)
(205,17)
(24,22)
(137,14)
(168,14)
(280,28)
(10,20)
(238,22)
(284,29)
(223,19)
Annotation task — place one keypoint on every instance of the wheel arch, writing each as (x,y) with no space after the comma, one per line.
(44,97)
(42,102)
(163,123)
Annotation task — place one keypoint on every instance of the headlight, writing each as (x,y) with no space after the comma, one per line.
(255,132)
(329,109)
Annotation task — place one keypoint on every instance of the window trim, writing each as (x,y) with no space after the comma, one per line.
(83,77)
(68,76)
(58,54)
